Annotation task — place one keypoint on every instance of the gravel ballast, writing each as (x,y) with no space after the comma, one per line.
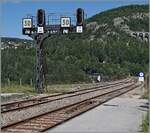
(11,117)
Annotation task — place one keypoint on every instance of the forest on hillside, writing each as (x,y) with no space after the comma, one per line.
(73,58)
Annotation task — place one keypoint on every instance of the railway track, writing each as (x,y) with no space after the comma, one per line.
(23,104)
(53,118)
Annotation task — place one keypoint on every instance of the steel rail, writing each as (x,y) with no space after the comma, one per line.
(43,130)
(34,99)
(59,98)
(129,88)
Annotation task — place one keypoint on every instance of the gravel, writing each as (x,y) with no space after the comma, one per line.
(115,116)
(14,116)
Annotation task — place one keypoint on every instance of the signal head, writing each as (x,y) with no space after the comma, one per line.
(41,17)
(80,16)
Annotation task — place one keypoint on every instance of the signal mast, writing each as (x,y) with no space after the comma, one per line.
(39,30)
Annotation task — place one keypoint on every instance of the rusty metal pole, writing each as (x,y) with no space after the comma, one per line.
(40,82)
(39,86)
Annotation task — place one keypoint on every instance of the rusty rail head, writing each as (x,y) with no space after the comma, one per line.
(128,88)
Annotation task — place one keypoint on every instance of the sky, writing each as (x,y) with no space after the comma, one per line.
(12,11)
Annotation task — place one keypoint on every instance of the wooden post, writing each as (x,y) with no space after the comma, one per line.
(8,82)
(31,82)
(20,82)
(146,82)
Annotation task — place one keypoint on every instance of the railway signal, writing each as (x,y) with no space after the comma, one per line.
(44,29)
(41,17)
(40,20)
(80,17)
(80,20)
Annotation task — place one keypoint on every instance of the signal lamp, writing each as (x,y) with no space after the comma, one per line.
(80,16)
(41,18)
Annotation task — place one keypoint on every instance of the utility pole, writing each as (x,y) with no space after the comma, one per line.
(40,31)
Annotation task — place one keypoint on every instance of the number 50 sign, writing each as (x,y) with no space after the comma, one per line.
(65,22)
(27,23)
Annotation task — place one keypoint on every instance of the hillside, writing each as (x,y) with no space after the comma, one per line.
(107,47)
(15,43)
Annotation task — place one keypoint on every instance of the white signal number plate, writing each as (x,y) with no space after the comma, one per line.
(79,29)
(65,22)
(27,23)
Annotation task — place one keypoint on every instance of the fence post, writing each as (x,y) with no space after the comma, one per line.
(146,82)
(31,83)
(8,81)
(20,81)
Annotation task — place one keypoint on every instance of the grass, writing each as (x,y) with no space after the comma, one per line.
(56,88)
(145,123)
(28,90)
(146,94)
